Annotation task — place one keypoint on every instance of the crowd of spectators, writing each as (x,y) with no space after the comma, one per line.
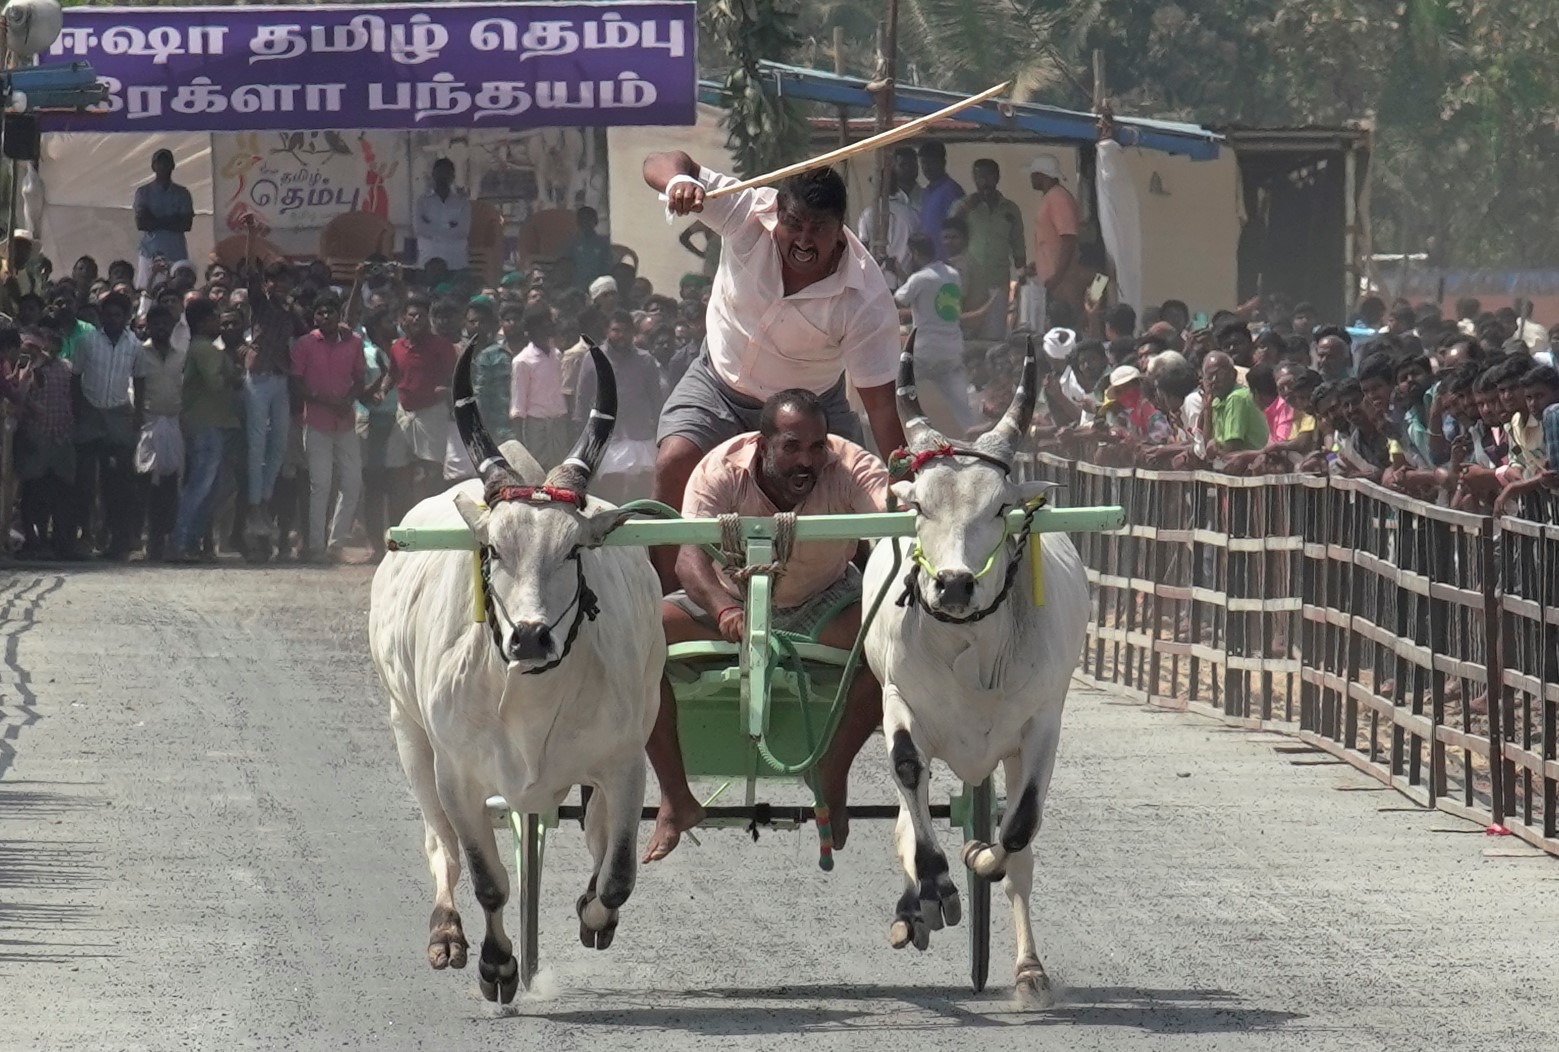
(1462,412)
(279,411)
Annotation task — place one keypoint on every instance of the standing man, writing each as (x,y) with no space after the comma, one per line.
(941,192)
(164,212)
(422,363)
(442,221)
(267,410)
(931,300)
(591,250)
(903,216)
(628,469)
(996,246)
(797,302)
(329,370)
(105,425)
(26,272)
(1056,223)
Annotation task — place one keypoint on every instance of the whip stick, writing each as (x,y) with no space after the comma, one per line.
(887,138)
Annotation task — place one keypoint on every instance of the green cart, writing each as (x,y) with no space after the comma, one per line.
(766,708)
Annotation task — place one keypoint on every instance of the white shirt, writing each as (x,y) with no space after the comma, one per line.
(443,229)
(105,366)
(1191,413)
(762,341)
(903,220)
(934,296)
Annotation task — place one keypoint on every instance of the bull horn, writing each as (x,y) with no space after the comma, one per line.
(579,467)
(1008,433)
(491,465)
(918,432)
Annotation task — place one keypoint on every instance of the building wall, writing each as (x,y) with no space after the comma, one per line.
(1190,230)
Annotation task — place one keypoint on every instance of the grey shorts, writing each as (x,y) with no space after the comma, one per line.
(706,411)
(808,619)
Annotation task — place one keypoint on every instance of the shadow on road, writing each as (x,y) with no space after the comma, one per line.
(799,1009)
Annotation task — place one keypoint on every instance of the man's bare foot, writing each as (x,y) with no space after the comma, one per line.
(671,822)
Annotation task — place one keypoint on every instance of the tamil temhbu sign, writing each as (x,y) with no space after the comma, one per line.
(444,65)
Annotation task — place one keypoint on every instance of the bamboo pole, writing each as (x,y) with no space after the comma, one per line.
(876,142)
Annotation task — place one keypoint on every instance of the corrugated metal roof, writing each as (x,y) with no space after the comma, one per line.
(1045,122)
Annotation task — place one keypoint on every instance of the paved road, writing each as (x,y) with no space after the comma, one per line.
(206,843)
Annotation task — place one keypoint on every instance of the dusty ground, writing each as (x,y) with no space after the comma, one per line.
(206,843)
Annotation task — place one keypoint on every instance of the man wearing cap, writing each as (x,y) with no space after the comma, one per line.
(604,294)
(798,301)
(1056,224)
(164,212)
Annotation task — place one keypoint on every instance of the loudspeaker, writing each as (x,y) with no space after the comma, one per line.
(21,137)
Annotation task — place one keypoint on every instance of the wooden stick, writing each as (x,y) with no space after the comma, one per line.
(887,138)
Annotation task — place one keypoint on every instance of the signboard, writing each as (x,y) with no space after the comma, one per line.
(513,66)
(299,181)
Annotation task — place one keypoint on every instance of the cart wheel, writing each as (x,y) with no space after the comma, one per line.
(532,837)
(978,826)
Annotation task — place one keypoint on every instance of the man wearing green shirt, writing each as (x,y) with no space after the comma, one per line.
(996,244)
(71,328)
(1237,422)
(210,418)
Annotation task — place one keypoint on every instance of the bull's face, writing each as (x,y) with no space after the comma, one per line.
(534,579)
(960,508)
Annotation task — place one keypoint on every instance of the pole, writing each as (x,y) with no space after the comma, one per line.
(1098,80)
(888,46)
(844,114)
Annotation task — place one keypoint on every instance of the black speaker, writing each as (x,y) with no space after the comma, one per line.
(21,137)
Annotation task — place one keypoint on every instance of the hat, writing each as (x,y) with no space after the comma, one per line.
(601,286)
(1122,375)
(512,279)
(1045,164)
(21,235)
(1059,343)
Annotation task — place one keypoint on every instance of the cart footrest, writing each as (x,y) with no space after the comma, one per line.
(767,815)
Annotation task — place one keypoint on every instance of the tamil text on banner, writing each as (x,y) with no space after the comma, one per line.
(359,66)
(297,181)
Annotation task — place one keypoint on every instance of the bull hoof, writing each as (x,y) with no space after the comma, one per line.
(499,982)
(984,860)
(939,903)
(446,940)
(597,923)
(1031,988)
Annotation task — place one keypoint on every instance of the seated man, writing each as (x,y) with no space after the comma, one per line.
(791,463)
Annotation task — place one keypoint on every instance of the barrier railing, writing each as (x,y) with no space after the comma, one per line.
(1402,637)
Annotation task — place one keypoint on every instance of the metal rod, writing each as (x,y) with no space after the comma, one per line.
(888,41)
(808,528)
(839,71)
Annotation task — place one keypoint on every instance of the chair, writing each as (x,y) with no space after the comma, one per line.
(486,242)
(352,237)
(230,251)
(546,235)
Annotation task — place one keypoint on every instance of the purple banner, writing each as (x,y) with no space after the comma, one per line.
(516,66)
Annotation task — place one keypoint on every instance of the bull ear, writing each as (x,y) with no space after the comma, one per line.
(600,523)
(475,515)
(1031,491)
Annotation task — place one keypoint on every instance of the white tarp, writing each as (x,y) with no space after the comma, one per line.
(89,181)
(1120,221)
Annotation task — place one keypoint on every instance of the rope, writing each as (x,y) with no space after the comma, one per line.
(734,554)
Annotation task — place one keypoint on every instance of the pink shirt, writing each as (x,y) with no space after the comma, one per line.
(1280,420)
(853,481)
(1056,218)
(761,341)
(536,385)
(331,369)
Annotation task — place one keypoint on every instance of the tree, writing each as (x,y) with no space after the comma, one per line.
(764,132)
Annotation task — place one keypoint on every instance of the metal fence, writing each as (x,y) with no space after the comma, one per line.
(1405,638)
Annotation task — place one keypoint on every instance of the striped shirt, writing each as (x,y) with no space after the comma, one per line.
(104,366)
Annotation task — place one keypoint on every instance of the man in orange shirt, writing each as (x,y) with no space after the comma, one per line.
(791,463)
(1056,261)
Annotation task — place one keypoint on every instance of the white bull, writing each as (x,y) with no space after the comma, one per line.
(559,687)
(973,672)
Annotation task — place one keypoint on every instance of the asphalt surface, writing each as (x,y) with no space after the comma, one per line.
(206,842)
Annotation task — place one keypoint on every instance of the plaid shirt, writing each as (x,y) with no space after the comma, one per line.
(48,401)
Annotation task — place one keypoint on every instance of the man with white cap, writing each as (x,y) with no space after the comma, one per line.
(798,302)
(1056,225)
(164,213)
(26,272)
(604,294)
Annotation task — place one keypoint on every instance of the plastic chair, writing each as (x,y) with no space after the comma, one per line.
(486,241)
(546,235)
(352,237)
(230,251)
